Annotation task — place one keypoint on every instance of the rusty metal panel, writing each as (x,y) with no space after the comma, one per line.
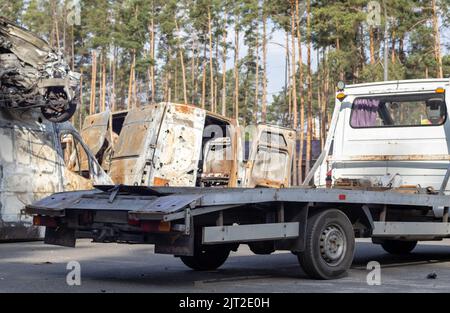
(94,130)
(218,159)
(135,146)
(31,168)
(169,204)
(178,146)
(29,171)
(271,157)
(222,155)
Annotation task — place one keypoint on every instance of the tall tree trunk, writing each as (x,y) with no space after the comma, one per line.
(183,68)
(131,81)
(193,72)
(196,65)
(401,49)
(317,133)
(372,45)
(152,56)
(294,78)
(437,40)
(224,67)
(289,78)
(325,93)
(264,82)
(103,96)
(72,47)
(393,42)
(64,28)
(216,76)
(81,108)
(93,82)
(100,83)
(211,67)
(309,134)
(302,96)
(256,103)
(167,69)
(136,101)
(236,70)
(113,83)
(204,78)
(175,84)
(55,24)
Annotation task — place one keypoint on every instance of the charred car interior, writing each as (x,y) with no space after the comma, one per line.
(32,75)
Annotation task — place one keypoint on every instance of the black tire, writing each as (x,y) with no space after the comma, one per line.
(398,247)
(56,114)
(329,246)
(207,258)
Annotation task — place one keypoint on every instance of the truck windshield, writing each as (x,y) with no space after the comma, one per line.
(399,111)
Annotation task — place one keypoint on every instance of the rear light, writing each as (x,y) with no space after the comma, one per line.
(133,222)
(47,221)
(155,226)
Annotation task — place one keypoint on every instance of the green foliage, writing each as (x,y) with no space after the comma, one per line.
(11,9)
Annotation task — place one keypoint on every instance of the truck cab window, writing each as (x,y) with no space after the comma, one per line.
(75,157)
(399,111)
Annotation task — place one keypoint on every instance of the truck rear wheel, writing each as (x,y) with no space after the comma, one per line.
(207,258)
(329,245)
(398,246)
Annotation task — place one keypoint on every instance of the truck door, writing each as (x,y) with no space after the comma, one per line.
(81,171)
(178,147)
(132,160)
(270,158)
(95,135)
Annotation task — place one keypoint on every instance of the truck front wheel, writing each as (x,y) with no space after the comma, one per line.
(398,246)
(329,245)
(207,258)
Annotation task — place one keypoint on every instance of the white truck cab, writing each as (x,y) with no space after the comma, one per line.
(389,134)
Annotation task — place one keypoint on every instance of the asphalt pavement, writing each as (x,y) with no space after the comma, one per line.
(104,268)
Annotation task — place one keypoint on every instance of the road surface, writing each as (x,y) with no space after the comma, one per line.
(105,268)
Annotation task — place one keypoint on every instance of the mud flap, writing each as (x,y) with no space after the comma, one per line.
(60,236)
(297,244)
(179,245)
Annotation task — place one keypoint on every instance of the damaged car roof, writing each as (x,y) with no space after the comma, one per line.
(33,75)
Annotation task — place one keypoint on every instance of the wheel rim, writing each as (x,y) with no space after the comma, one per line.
(333,245)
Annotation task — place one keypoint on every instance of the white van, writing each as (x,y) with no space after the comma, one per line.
(39,158)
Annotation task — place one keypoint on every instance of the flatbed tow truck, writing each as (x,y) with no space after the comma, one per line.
(380,183)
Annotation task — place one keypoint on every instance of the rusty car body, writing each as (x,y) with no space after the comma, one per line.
(101,132)
(33,75)
(169,144)
(38,158)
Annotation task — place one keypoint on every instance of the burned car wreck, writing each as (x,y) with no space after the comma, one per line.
(33,75)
